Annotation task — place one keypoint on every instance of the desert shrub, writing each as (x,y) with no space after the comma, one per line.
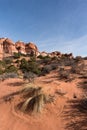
(34,104)
(11,75)
(34,99)
(28,90)
(8,75)
(30,76)
(64,75)
(7,60)
(1,71)
(10,69)
(78,58)
(69,62)
(17,61)
(46,70)
(2,63)
(66,61)
(54,58)
(2,78)
(40,57)
(33,59)
(33,67)
(77,68)
(46,59)
(54,66)
(29,66)
(1,68)
(24,65)
(17,55)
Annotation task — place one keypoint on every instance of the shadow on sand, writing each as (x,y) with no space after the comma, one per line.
(75,113)
(16,84)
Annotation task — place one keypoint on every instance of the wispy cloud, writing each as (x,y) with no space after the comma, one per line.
(77,46)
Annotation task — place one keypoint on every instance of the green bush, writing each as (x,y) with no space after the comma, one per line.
(24,65)
(1,71)
(29,66)
(10,69)
(17,55)
(33,67)
(40,57)
(1,67)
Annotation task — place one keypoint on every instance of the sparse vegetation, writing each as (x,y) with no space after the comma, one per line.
(64,74)
(10,69)
(29,76)
(8,75)
(76,68)
(29,66)
(34,99)
(17,55)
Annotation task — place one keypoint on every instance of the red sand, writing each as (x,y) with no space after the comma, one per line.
(50,118)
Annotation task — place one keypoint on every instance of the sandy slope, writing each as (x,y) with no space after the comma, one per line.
(51,116)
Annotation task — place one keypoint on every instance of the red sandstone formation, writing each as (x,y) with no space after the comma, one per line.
(1,47)
(8,47)
(31,49)
(44,54)
(20,46)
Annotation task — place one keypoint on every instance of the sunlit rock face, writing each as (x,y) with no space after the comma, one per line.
(1,47)
(9,46)
(20,46)
(31,49)
(44,54)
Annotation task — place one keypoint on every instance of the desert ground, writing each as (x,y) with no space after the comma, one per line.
(64,113)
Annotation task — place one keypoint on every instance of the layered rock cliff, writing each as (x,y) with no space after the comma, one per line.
(8,47)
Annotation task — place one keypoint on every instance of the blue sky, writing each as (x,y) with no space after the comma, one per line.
(52,24)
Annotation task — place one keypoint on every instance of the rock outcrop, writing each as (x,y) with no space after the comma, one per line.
(70,55)
(44,54)
(8,47)
(31,49)
(1,47)
(20,46)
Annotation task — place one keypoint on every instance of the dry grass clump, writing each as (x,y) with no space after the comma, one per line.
(34,104)
(29,91)
(34,99)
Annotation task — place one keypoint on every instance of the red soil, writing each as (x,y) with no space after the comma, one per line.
(51,116)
